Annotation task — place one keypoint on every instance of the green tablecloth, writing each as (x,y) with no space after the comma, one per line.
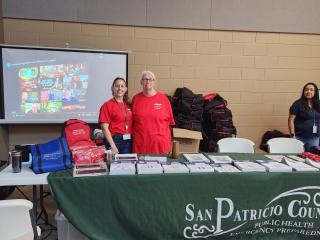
(192,206)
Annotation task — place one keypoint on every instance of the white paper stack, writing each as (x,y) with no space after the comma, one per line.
(277,158)
(295,157)
(220,159)
(144,167)
(298,166)
(312,163)
(196,157)
(274,166)
(122,168)
(225,167)
(175,167)
(92,169)
(155,159)
(249,166)
(200,168)
(126,157)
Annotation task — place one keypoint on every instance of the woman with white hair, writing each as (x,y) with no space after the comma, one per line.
(152,117)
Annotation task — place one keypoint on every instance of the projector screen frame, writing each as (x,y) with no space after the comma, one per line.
(3,119)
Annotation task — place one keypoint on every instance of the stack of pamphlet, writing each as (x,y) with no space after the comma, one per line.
(274,166)
(159,159)
(224,167)
(277,158)
(175,167)
(220,159)
(148,167)
(200,167)
(249,166)
(297,158)
(91,169)
(313,163)
(196,157)
(122,168)
(298,166)
(126,157)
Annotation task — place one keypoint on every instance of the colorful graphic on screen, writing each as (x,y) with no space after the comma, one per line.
(53,88)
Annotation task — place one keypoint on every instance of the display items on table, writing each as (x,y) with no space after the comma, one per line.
(160,159)
(249,166)
(144,167)
(200,168)
(297,158)
(196,157)
(122,168)
(224,167)
(313,163)
(89,161)
(298,166)
(274,166)
(175,167)
(277,158)
(220,159)
(93,169)
(126,157)
(280,158)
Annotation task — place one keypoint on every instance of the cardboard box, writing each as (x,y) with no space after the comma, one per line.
(189,141)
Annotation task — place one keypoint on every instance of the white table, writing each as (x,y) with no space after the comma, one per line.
(26,178)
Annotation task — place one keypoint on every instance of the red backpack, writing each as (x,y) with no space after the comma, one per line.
(77,133)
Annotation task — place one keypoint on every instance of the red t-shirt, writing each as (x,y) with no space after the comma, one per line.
(117,115)
(151,119)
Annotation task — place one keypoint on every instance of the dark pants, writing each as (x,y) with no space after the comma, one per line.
(124,146)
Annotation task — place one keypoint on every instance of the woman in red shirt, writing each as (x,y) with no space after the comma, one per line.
(152,117)
(116,118)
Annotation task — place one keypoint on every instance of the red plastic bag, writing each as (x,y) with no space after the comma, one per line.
(87,155)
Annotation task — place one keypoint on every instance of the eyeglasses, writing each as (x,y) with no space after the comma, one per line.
(147,79)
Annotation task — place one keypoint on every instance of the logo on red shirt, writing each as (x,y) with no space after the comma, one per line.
(157,106)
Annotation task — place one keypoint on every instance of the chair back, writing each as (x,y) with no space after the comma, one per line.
(285,145)
(15,220)
(235,145)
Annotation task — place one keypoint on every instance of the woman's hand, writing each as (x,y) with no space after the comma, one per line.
(114,150)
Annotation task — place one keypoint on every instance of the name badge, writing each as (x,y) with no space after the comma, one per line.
(314,129)
(126,136)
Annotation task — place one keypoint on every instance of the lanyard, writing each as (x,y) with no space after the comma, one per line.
(125,114)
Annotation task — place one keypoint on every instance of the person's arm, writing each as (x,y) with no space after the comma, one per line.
(291,125)
(108,136)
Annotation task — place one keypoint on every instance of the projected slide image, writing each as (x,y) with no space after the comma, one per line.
(50,85)
(53,88)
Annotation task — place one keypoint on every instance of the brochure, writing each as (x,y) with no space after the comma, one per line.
(220,159)
(175,167)
(200,168)
(312,163)
(277,158)
(144,167)
(249,166)
(274,166)
(298,166)
(196,157)
(122,168)
(225,167)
